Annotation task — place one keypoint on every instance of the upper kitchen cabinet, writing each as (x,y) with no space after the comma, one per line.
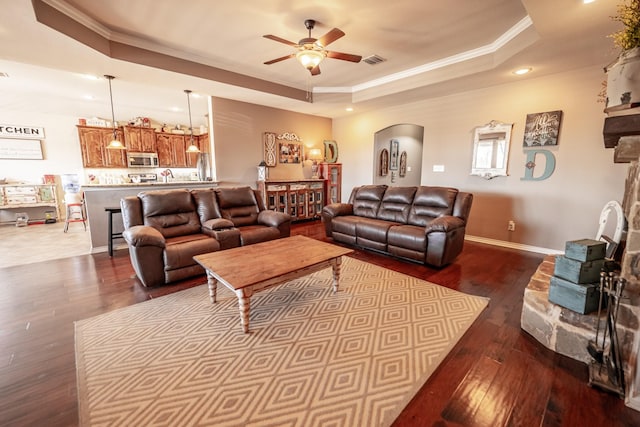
(93,146)
(172,150)
(140,139)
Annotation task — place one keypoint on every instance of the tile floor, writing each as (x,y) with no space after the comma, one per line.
(42,242)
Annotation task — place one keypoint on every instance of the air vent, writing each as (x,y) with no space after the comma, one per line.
(3,74)
(374,59)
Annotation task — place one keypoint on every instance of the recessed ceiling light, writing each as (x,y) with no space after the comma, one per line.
(588,1)
(176,109)
(522,71)
(89,97)
(90,77)
(349,109)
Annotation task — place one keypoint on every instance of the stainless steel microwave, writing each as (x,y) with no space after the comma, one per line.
(142,160)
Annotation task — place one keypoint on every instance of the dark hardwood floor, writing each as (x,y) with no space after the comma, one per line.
(497,375)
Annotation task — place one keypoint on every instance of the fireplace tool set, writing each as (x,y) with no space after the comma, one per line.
(605,371)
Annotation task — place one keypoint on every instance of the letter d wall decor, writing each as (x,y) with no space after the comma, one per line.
(550,165)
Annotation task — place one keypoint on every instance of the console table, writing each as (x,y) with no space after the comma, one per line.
(23,197)
(302,199)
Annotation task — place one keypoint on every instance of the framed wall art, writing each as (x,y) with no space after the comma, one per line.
(384,162)
(270,154)
(393,153)
(290,152)
(402,169)
(542,129)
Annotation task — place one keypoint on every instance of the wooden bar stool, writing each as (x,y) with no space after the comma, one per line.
(110,234)
(75,213)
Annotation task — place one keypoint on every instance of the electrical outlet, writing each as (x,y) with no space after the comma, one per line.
(511,226)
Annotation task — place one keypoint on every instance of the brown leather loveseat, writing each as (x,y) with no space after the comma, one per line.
(424,224)
(166,228)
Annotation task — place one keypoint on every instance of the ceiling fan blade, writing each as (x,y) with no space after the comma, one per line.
(281,40)
(282,58)
(315,70)
(344,56)
(330,37)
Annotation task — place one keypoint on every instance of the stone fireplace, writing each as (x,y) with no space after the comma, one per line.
(629,316)
(567,332)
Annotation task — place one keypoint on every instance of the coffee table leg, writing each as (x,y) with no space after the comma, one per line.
(213,286)
(336,273)
(244,305)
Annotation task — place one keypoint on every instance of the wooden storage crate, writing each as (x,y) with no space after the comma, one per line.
(578,271)
(585,249)
(581,298)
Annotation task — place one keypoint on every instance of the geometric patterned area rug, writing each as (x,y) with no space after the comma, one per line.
(312,358)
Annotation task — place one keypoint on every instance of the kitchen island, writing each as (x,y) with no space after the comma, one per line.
(100,196)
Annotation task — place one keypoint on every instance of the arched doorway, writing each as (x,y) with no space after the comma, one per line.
(391,166)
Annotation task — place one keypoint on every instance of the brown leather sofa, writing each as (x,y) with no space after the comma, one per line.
(424,224)
(166,228)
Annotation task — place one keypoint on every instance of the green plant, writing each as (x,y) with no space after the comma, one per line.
(629,14)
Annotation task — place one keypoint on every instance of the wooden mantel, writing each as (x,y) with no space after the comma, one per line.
(622,132)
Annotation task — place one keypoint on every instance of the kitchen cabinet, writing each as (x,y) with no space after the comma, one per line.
(332,174)
(26,197)
(172,150)
(93,146)
(302,199)
(140,139)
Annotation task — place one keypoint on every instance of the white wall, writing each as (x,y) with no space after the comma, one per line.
(547,213)
(60,147)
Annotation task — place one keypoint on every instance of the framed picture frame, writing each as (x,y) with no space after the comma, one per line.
(542,129)
(384,162)
(393,155)
(290,153)
(402,171)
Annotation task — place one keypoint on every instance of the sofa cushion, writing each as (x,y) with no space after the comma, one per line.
(238,205)
(396,204)
(206,204)
(408,236)
(179,251)
(374,230)
(172,212)
(430,203)
(367,200)
(251,234)
(345,224)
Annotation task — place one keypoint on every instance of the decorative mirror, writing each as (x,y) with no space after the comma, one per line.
(491,149)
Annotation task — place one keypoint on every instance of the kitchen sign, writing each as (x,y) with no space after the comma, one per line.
(22,132)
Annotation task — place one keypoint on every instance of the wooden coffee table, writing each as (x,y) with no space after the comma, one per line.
(249,269)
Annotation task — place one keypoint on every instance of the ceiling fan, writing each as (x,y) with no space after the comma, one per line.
(312,51)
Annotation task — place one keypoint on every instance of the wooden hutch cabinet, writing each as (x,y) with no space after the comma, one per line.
(140,139)
(93,146)
(302,199)
(332,174)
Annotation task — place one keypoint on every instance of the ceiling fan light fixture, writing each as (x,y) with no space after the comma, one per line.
(310,58)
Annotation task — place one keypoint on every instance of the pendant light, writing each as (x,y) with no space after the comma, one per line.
(192,148)
(115,143)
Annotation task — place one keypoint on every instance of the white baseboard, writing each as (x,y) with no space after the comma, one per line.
(512,245)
